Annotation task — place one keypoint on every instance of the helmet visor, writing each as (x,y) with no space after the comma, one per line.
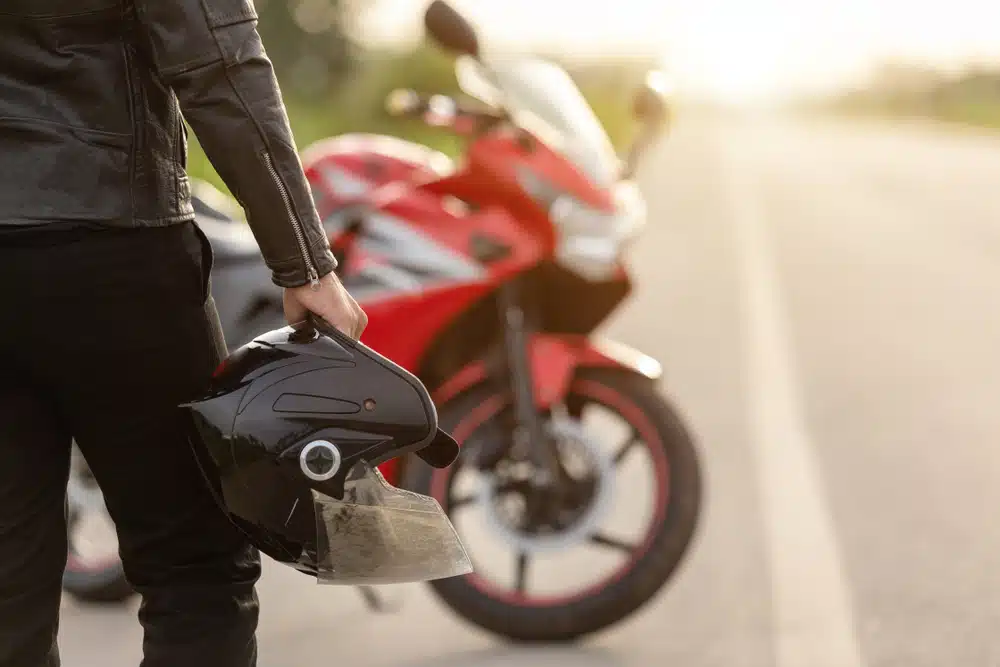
(379,534)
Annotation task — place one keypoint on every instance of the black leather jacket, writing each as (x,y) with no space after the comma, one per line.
(91,95)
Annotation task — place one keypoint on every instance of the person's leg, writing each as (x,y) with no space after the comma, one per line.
(34,464)
(146,338)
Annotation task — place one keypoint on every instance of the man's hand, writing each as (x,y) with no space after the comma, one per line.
(330,301)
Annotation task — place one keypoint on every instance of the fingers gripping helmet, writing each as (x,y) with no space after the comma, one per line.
(290,434)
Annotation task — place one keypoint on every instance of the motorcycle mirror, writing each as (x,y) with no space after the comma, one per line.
(450,29)
(651,107)
(651,104)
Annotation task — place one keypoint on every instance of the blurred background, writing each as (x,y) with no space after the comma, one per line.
(820,279)
(337,59)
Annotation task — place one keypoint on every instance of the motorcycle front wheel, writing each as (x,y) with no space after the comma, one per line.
(528,523)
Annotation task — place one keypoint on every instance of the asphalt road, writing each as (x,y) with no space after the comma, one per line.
(825,298)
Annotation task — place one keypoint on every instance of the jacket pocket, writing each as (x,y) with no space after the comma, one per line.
(54,172)
(221,13)
(233,23)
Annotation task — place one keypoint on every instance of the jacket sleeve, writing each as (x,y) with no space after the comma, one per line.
(210,54)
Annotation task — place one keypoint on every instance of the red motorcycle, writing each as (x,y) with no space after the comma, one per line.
(486,279)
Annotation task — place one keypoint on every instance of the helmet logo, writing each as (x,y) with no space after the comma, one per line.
(320,460)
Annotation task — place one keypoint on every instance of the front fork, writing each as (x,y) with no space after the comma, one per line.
(530,433)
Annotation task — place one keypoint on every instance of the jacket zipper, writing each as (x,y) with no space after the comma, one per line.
(300,236)
(133,145)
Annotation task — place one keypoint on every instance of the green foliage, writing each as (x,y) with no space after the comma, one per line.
(358,106)
(308,42)
(972,97)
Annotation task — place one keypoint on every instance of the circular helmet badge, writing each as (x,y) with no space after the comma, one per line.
(320,460)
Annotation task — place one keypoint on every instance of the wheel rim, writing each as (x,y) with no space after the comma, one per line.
(642,431)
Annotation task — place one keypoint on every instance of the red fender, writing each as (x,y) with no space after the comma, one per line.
(555,359)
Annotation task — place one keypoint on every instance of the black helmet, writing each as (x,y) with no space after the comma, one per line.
(294,424)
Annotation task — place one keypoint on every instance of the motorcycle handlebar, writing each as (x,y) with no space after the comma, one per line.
(436,109)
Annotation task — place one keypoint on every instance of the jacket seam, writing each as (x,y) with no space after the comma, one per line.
(321,247)
(49,17)
(201,62)
(131,221)
(164,221)
(295,260)
(267,147)
(28,120)
(246,108)
(291,263)
(247,12)
(132,115)
(226,20)
(173,144)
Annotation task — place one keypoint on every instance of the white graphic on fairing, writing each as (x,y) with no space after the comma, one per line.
(406,260)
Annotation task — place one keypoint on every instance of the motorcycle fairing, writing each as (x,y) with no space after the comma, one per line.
(555,360)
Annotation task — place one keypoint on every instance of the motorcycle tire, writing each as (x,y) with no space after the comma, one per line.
(105,584)
(624,595)
(102,581)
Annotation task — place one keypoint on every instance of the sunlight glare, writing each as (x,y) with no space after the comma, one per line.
(733,80)
(736,51)
(736,57)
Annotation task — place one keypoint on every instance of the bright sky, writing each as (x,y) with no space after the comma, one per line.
(740,49)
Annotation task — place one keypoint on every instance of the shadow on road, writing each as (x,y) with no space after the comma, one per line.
(507,656)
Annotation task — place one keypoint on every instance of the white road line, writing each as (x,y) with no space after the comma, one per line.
(812,610)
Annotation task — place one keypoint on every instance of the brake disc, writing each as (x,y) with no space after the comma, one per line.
(586,524)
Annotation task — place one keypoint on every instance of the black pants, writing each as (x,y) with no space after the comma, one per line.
(102,334)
